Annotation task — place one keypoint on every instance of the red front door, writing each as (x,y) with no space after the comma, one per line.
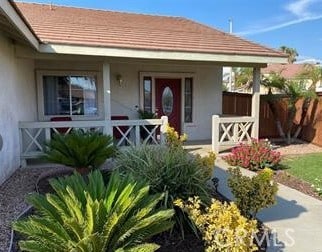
(168,101)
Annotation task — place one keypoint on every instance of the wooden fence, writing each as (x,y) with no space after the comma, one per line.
(240,104)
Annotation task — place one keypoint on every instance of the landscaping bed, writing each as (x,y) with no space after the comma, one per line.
(12,199)
(298,167)
(283,177)
(168,243)
(157,191)
(302,171)
(302,162)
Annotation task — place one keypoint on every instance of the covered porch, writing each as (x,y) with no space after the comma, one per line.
(122,87)
(105,94)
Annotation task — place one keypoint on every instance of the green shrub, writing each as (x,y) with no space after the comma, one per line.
(80,150)
(222,226)
(169,170)
(256,155)
(91,217)
(143,114)
(252,194)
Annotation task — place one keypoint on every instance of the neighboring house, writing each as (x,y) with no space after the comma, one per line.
(290,72)
(90,65)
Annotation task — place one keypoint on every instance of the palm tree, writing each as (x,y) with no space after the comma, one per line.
(294,91)
(313,73)
(291,52)
(274,81)
(243,77)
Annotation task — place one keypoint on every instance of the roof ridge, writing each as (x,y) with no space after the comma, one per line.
(98,9)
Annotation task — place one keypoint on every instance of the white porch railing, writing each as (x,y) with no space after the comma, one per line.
(33,135)
(228,131)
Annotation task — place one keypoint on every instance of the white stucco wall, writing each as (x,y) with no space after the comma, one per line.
(17,103)
(207,88)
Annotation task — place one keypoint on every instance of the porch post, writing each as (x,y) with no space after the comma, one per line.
(256,101)
(107,98)
(215,133)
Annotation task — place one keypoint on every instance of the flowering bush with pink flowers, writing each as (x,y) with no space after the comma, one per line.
(254,156)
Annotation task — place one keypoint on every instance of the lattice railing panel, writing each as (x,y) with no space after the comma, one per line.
(33,135)
(229,131)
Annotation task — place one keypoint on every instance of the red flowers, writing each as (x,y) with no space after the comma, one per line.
(256,155)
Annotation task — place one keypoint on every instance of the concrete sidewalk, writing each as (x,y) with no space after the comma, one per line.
(296,219)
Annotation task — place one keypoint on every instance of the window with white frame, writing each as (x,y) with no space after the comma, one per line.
(72,95)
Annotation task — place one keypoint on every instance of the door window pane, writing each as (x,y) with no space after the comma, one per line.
(188,100)
(70,95)
(167,101)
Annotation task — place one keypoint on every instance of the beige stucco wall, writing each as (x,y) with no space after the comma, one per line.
(207,95)
(17,103)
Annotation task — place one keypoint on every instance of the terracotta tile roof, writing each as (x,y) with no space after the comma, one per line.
(288,71)
(77,26)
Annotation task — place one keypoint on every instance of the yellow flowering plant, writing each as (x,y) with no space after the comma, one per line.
(173,139)
(222,226)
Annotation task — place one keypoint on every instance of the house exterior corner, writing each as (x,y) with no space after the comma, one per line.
(17,103)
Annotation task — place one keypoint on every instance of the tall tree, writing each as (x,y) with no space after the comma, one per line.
(312,73)
(243,77)
(294,91)
(291,52)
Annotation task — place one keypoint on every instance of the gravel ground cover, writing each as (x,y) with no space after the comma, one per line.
(298,148)
(12,200)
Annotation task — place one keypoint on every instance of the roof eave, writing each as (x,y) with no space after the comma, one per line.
(15,18)
(162,55)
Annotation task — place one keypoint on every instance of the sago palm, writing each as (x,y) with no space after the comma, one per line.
(80,149)
(91,217)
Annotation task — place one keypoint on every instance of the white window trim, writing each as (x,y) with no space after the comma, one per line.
(40,96)
(170,75)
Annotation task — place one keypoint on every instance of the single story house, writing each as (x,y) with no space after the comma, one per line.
(87,67)
(293,72)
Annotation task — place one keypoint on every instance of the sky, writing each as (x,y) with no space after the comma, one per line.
(273,23)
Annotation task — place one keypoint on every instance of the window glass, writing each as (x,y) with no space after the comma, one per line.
(70,95)
(167,101)
(147,84)
(188,100)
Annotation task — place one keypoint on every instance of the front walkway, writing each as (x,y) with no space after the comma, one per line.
(295,220)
